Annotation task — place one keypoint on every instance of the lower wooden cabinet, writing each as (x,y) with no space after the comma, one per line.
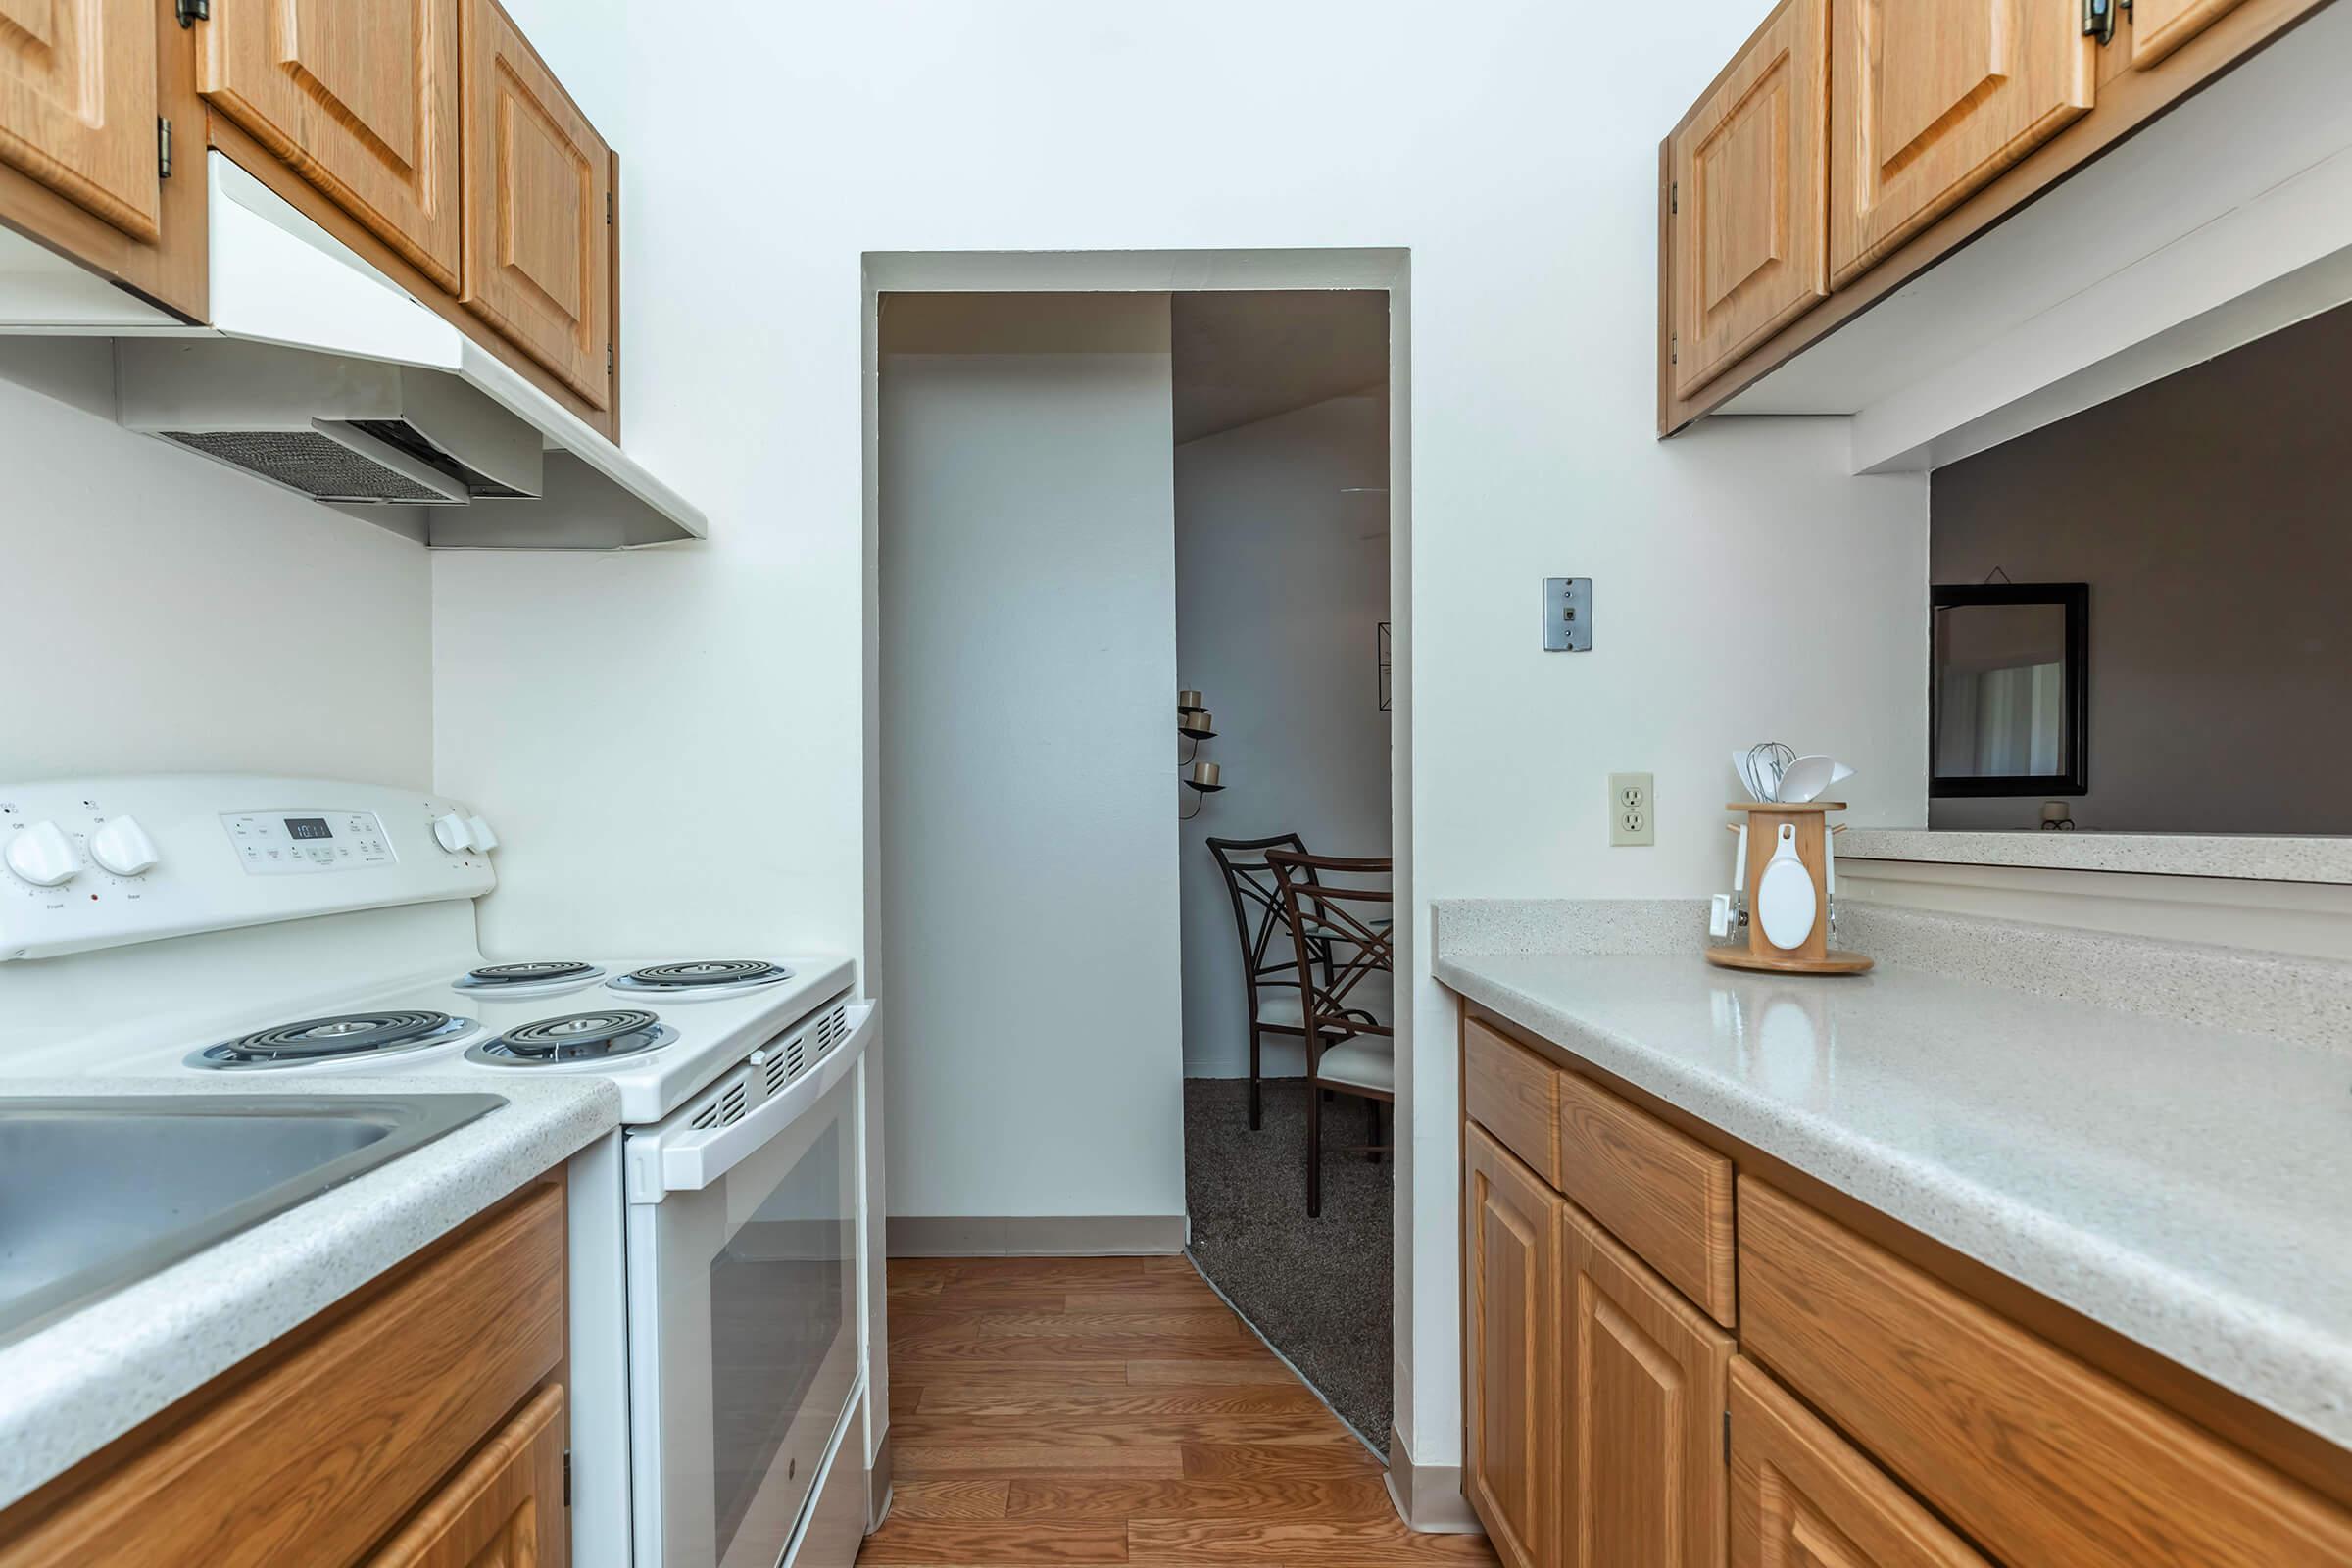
(1802,1498)
(504,1509)
(1642,1384)
(1511,1234)
(423,1412)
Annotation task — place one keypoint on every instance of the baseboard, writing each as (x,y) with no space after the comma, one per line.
(1429,1496)
(877,1486)
(1034,1235)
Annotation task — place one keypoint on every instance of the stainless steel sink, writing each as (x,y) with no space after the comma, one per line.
(97,1194)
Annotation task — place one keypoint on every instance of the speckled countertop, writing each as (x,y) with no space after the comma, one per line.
(2187,1186)
(75,1384)
(2262,857)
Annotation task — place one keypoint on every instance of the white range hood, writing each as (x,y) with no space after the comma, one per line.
(320,374)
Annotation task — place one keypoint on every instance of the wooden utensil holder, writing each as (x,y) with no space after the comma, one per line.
(1813,955)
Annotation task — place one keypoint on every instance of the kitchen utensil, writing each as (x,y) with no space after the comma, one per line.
(1784,865)
(1759,768)
(1785,903)
(1809,777)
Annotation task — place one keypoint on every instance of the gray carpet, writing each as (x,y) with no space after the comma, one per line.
(1317,1289)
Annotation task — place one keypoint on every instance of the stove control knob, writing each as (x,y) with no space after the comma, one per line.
(479,831)
(451,832)
(124,848)
(43,855)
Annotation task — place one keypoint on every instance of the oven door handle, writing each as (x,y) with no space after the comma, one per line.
(689,1162)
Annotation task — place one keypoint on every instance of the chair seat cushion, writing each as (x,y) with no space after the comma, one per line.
(1280,1008)
(1368,1062)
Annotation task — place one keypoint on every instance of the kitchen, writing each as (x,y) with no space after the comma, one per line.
(774,171)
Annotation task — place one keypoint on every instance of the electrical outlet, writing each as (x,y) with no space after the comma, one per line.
(1632,818)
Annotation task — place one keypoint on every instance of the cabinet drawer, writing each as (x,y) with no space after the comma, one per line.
(2037,1456)
(1665,1195)
(1800,1495)
(504,1511)
(1513,1094)
(313,1451)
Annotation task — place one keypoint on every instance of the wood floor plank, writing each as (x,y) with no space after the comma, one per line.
(996,1430)
(905,1397)
(969,1368)
(1218,1324)
(1267,1368)
(1229,1461)
(1356,1544)
(950,1499)
(1364,1496)
(1145,1296)
(967,1541)
(945,1461)
(983,1396)
(1037,1270)
(1060,1350)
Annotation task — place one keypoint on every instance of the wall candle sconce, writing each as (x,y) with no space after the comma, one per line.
(1195,723)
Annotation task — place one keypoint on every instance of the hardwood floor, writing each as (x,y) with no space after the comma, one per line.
(1084,1411)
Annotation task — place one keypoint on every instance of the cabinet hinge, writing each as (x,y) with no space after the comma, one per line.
(608,208)
(2099,20)
(191,11)
(1674,196)
(1726,1440)
(162,148)
(1674,347)
(568,1473)
(607,359)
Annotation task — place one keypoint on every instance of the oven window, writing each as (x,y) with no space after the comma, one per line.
(777,1292)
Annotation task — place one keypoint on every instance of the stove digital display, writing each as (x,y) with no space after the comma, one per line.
(308,827)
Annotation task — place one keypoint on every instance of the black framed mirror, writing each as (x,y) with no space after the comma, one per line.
(2009,689)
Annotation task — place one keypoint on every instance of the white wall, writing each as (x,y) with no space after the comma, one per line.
(168,615)
(1281,580)
(1028,584)
(1746,585)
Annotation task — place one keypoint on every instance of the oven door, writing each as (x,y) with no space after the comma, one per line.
(743,1263)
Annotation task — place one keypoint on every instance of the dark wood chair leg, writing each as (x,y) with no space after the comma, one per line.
(1372,1130)
(1314,1152)
(1258,1117)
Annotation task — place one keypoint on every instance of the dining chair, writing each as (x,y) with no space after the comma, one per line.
(1269,959)
(1343,907)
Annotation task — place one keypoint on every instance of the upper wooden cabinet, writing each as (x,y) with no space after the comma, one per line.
(359,97)
(1930,99)
(538,207)
(1750,168)
(77,105)
(2160,27)
(1510,1232)
(1643,1478)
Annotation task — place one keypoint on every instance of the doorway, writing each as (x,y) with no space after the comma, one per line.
(1040,1045)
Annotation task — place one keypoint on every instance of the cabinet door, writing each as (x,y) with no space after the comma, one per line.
(2160,27)
(1802,1498)
(1751,172)
(1931,99)
(77,105)
(1643,1399)
(1510,1230)
(504,1509)
(538,228)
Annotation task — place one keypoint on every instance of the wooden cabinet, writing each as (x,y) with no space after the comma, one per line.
(1643,1385)
(1514,1096)
(317,1449)
(1930,99)
(1802,1498)
(1664,1193)
(2160,27)
(504,1509)
(77,105)
(1749,169)
(359,97)
(1510,1230)
(538,207)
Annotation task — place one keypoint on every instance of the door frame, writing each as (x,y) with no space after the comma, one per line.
(1425,1253)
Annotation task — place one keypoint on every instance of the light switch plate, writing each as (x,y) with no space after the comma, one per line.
(1567,614)
(1633,814)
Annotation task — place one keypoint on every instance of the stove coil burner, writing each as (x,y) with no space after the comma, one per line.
(707,972)
(581,1037)
(498,976)
(345,1035)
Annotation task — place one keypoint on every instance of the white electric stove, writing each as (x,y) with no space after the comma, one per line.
(221,926)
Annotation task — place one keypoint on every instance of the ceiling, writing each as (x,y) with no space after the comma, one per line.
(1245,355)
